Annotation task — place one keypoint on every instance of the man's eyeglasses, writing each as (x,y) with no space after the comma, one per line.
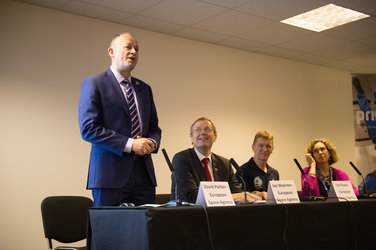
(199,130)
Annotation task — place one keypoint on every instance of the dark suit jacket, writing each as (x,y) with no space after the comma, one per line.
(189,172)
(105,122)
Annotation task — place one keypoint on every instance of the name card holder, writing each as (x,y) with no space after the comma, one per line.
(281,192)
(214,193)
(341,191)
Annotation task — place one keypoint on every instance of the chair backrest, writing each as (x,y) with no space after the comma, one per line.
(65,218)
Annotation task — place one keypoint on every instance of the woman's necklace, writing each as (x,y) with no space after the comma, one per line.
(322,179)
(326,179)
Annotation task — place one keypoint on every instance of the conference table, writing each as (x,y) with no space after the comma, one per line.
(306,225)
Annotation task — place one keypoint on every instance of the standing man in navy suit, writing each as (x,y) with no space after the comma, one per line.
(121,168)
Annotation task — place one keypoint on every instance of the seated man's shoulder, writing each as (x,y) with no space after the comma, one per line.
(221,158)
(273,169)
(248,164)
(185,151)
(184,154)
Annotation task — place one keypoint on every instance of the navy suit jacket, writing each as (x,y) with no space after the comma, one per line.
(105,122)
(189,172)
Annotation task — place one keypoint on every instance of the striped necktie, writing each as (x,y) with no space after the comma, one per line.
(135,121)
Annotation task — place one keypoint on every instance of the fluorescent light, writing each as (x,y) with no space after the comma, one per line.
(323,18)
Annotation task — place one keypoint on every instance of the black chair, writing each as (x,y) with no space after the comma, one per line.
(65,219)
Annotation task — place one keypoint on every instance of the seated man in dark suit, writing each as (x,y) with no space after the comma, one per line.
(199,164)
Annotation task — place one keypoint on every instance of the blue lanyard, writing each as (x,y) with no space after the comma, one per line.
(322,179)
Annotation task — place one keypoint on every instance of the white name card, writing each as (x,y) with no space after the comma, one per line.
(282,192)
(341,191)
(214,193)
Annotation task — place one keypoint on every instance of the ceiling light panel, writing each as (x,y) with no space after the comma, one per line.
(326,17)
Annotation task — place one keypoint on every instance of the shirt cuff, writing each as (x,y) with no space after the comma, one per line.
(128,146)
(155,144)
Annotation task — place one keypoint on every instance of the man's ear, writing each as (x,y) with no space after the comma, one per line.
(110,51)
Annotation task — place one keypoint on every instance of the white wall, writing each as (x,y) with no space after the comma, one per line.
(46,54)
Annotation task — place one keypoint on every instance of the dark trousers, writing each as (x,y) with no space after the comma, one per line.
(138,190)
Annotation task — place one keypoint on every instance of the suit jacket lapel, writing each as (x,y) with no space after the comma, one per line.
(198,166)
(215,163)
(111,79)
(140,101)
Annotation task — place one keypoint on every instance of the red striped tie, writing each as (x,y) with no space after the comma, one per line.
(135,121)
(206,168)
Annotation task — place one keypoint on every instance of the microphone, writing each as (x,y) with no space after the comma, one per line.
(364,181)
(240,171)
(176,202)
(356,169)
(308,186)
(168,160)
(236,166)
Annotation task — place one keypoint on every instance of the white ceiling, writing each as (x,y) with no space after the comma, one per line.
(251,25)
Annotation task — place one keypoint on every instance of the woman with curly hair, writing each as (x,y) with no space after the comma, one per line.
(321,154)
